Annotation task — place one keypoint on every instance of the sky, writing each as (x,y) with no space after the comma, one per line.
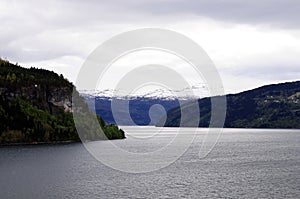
(252,43)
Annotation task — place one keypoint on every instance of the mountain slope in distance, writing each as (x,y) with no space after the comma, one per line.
(271,106)
(141,110)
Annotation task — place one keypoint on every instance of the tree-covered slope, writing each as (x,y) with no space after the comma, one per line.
(271,106)
(36,106)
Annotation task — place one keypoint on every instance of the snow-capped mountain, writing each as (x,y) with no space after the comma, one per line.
(188,93)
(144,107)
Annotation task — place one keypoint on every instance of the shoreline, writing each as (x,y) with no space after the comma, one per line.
(40,143)
(49,143)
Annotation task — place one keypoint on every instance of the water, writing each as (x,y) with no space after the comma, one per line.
(244,164)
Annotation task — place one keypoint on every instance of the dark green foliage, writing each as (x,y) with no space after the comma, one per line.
(32,108)
(34,125)
(272,106)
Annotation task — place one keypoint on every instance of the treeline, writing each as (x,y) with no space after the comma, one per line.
(14,75)
(28,112)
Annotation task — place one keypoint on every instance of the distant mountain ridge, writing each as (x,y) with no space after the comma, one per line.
(140,111)
(199,90)
(139,107)
(270,106)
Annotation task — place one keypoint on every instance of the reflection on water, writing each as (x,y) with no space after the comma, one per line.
(244,164)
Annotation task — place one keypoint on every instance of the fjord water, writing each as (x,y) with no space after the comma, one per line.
(245,163)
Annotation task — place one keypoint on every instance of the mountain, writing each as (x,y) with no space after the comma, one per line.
(271,106)
(36,106)
(140,111)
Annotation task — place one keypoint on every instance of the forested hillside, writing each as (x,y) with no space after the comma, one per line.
(271,106)
(36,106)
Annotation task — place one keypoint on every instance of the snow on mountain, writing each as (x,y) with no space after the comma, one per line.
(193,92)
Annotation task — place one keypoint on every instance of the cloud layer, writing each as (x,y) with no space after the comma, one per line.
(251,42)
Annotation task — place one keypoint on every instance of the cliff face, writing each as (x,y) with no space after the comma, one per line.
(36,106)
(43,89)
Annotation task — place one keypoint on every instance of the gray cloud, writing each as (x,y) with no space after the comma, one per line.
(23,21)
(267,72)
(281,13)
(65,13)
(35,31)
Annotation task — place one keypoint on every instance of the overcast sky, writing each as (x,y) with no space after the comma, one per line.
(252,43)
